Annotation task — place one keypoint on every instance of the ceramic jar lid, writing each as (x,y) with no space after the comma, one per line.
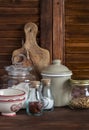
(56,69)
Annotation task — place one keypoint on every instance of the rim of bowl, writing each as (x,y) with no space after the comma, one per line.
(23,93)
(13,100)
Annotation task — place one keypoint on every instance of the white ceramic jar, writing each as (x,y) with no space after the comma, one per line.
(60,76)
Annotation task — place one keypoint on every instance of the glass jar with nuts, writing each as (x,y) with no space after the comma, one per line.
(79,93)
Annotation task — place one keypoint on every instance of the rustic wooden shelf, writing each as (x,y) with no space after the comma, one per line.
(59,119)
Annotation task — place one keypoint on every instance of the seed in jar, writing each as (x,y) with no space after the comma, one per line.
(81,102)
(88,101)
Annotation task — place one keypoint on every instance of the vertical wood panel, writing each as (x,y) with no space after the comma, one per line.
(58,29)
(46,25)
(52,27)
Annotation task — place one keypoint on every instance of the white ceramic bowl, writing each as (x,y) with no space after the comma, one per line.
(10,107)
(11,100)
(11,93)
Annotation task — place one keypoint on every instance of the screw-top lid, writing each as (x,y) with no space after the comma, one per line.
(56,69)
(79,82)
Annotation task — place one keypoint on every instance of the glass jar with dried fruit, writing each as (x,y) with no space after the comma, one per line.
(34,103)
(79,93)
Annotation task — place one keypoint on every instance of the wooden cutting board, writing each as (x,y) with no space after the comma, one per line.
(36,56)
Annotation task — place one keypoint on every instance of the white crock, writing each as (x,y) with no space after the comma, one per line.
(60,76)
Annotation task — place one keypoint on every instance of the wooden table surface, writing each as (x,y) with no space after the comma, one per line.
(59,119)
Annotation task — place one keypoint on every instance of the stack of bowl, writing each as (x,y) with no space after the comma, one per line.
(11,101)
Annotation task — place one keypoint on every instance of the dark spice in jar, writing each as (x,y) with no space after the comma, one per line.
(35,107)
(34,103)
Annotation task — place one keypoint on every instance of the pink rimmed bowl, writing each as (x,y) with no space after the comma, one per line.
(10,107)
(11,94)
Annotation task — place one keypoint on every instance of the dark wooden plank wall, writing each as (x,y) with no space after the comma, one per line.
(14,14)
(67,24)
(77,37)
(52,27)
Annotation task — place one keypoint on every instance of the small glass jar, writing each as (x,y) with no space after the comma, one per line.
(34,105)
(47,94)
(79,93)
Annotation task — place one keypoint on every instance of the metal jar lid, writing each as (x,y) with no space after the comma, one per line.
(79,82)
(56,69)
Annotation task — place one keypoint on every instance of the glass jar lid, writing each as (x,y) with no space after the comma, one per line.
(79,82)
(18,70)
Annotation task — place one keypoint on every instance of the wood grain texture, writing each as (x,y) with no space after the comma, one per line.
(71,17)
(59,119)
(58,29)
(54,18)
(46,25)
(14,14)
(52,27)
(35,56)
(77,37)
